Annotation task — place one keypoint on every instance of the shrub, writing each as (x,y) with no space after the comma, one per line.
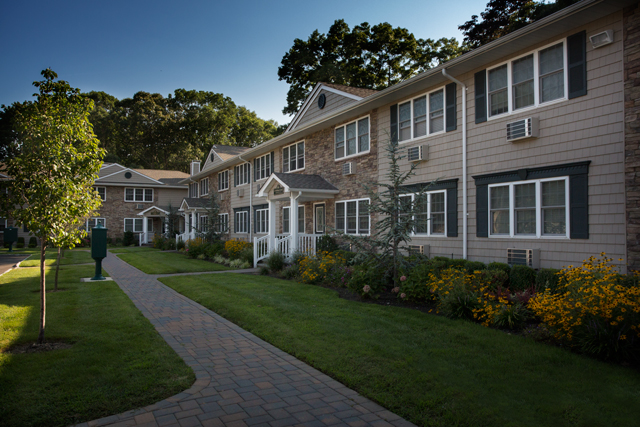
(201,257)
(264,270)
(522,277)
(180,245)
(348,256)
(247,255)
(326,243)
(547,278)
(314,269)
(339,275)
(414,287)
(494,279)
(214,249)
(169,245)
(290,272)
(297,257)
(457,293)
(238,264)
(20,243)
(275,261)
(235,247)
(368,281)
(500,266)
(33,242)
(472,266)
(196,247)
(592,312)
(128,239)
(511,316)
(118,241)
(158,241)
(219,259)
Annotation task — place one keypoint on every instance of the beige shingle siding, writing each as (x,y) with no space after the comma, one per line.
(334,102)
(585,128)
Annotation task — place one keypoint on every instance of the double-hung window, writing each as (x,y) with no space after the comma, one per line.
(102,193)
(352,138)
(529,208)
(193,190)
(204,186)
(223,180)
(429,211)
(93,222)
(293,157)
(262,221)
(241,173)
(223,223)
(133,224)
(286,219)
(352,216)
(204,223)
(527,81)
(242,222)
(138,194)
(421,116)
(263,166)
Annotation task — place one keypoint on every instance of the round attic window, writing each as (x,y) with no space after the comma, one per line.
(127,175)
(322,100)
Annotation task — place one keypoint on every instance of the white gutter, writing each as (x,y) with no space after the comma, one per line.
(250,197)
(464,161)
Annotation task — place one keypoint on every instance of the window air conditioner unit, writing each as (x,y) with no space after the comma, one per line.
(418,153)
(419,249)
(241,192)
(601,39)
(521,129)
(139,206)
(528,257)
(223,196)
(349,168)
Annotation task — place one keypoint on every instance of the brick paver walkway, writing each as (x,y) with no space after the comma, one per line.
(240,379)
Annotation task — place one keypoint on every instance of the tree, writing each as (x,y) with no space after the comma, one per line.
(57,160)
(502,17)
(373,57)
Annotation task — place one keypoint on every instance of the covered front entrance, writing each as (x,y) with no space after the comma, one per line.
(297,189)
(153,222)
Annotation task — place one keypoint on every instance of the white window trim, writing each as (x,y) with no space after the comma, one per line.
(105,193)
(444,116)
(239,222)
(512,234)
(361,153)
(192,186)
(223,223)
(265,162)
(134,224)
(536,81)
(144,191)
(206,187)
(305,156)
(235,171)
(226,171)
(104,222)
(201,223)
(258,220)
(428,194)
(303,219)
(357,216)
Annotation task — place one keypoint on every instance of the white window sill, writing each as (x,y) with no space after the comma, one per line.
(364,153)
(525,109)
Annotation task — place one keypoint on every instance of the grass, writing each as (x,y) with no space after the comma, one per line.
(117,362)
(124,250)
(428,369)
(168,262)
(70,257)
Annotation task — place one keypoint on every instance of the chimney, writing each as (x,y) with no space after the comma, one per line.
(195,167)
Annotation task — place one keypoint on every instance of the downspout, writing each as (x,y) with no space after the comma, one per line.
(250,197)
(464,161)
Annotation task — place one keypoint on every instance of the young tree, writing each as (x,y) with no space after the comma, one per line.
(57,160)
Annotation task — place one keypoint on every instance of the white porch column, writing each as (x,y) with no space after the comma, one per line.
(145,228)
(272,225)
(194,225)
(293,222)
(187,223)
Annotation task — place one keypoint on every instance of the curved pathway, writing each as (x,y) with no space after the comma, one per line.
(241,380)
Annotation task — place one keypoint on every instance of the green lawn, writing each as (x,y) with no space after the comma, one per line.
(118,361)
(168,262)
(124,250)
(430,370)
(70,257)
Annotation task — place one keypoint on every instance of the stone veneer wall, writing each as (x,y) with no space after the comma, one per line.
(632,132)
(115,209)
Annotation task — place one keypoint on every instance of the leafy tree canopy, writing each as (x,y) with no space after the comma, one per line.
(502,17)
(366,56)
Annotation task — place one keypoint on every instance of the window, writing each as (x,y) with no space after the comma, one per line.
(263,166)
(133,224)
(262,221)
(242,222)
(430,212)
(286,221)
(93,222)
(204,186)
(241,174)
(293,157)
(204,223)
(223,180)
(102,193)
(193,190)
(223,223)
(138,194)
(352,216)
(529,208)
(530,80)
(352,138)
(421,116)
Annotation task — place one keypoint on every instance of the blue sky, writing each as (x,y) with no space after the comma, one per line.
(229,47)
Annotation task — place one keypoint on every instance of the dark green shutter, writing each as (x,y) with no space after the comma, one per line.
(480,86)
(482,211)
(452,212)
(452,113)
(255,167)
(273,164)
(393,132)
(577,60)
(235,176)
(579,206)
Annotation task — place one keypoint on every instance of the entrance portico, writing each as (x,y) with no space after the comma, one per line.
(147,215)
(297,189)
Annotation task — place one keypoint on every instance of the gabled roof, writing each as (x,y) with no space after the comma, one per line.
(160,210)
(221,153)
(193,203)
(160,175)
(361,92)
(297,182)
(116,174)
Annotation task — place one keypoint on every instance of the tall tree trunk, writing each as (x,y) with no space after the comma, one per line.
(60,250)
(43,289)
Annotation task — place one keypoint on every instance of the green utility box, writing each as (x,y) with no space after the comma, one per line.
(98,249)
(10,236)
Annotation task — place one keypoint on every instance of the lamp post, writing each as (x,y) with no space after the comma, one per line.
(98,248)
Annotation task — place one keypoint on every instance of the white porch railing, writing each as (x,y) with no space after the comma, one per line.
(307,243)
(185,236)
(260,249)
(284,245)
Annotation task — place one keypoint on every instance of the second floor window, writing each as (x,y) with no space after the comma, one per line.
(102,193)
(352,138)
(193,190)
(421,116)
(293,157)
(204,187)
(241,174)
(263,166)
(138,194)
(223,180)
